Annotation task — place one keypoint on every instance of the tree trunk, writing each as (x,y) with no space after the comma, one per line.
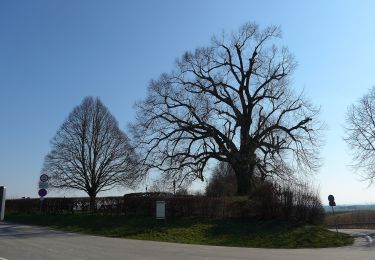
(92,202)
(244,174)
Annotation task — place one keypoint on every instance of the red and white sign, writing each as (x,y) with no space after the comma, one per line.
(43,178)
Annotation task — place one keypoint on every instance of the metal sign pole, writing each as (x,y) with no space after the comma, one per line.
(41,205)
(334,217)
(332,203)
(43,185)
(2,202)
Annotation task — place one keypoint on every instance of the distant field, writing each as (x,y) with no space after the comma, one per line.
(193,231)
(346,208)
(352,219)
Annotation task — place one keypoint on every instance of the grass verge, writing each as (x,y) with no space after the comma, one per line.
(229,232)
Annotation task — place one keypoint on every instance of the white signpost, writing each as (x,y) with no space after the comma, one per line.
(43,185)
(2,202)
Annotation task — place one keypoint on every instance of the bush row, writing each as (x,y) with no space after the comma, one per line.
(268,202)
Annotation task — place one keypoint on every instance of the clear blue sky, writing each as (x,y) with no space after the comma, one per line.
(54,53)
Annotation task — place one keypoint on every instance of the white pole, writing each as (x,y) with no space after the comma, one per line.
(2,202)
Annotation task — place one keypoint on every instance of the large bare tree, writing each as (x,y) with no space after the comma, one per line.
(230,101)
(90,153)
(360,135)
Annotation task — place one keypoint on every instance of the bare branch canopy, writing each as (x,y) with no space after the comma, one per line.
(360,134)
(232,102)
(90,153)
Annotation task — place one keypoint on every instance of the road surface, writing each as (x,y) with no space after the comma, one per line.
(29,242)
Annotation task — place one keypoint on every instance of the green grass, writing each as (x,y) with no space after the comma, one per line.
(193,231)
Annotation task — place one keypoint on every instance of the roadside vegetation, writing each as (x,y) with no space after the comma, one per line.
(229,232)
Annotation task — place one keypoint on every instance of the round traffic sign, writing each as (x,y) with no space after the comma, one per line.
(43,177)
(331,198)
(42,192)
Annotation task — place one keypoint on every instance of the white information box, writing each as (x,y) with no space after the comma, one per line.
(160,210)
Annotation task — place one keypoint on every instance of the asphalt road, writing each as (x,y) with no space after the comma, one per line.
(29,242)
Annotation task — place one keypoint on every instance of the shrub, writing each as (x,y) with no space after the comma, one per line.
(292,202)
(223,181)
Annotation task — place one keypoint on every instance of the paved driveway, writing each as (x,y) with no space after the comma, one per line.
(29,242)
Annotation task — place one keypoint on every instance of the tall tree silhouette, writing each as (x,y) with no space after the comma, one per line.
(90,153)
(230,101)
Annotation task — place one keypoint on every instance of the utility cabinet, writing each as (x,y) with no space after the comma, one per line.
(160,210)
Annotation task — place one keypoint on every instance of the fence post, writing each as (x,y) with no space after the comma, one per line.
(2,202)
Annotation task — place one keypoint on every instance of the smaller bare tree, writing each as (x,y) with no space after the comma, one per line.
(360,135)
(90,153)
